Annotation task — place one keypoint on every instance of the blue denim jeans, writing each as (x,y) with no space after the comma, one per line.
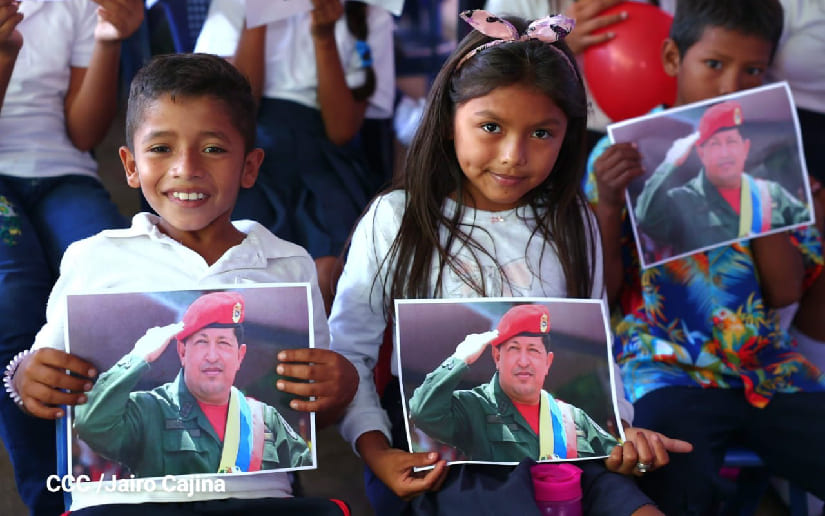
(39,218)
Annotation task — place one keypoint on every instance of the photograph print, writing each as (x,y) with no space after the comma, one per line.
(716,172)
(497,380)
(187,382)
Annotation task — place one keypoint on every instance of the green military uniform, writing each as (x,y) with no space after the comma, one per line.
(163,431)
(484,424)
(695,215)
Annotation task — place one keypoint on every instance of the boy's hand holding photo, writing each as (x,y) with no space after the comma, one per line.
(615,168)
(329,379)
(50,377)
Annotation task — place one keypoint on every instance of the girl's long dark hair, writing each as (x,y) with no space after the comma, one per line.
(432,173)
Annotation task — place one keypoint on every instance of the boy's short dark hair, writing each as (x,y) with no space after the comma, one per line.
(761,18)
(192,75)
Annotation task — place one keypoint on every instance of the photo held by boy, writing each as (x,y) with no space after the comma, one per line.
(190,128)
(489,204)
(703,355)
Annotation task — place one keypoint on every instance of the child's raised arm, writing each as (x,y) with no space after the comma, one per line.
(614,169)
(10,42)
(342,114)
(250,58)
(91,99)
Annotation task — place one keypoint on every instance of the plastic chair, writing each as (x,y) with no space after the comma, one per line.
(752,482)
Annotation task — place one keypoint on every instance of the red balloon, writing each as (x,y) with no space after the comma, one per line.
(625,74)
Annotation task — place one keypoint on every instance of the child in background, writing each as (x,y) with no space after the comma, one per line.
(489,204)
(59,104)
(190,128)
(317,75)
(702,352)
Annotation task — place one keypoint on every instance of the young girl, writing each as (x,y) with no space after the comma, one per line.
(318,75)
(489,204)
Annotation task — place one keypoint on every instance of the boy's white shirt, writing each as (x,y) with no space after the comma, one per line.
(142,258)
(357,321)
(57,36)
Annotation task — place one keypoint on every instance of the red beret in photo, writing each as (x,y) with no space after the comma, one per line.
(217,310)
(532,320)
(725,115)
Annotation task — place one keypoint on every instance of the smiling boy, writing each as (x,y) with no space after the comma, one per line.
(190,130)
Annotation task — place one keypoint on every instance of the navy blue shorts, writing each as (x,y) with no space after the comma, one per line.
(787,434)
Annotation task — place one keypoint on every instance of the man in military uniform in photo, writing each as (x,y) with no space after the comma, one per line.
(722,202)
(511,417)
(198,423)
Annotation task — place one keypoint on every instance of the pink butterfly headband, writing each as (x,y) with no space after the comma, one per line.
(548,29)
